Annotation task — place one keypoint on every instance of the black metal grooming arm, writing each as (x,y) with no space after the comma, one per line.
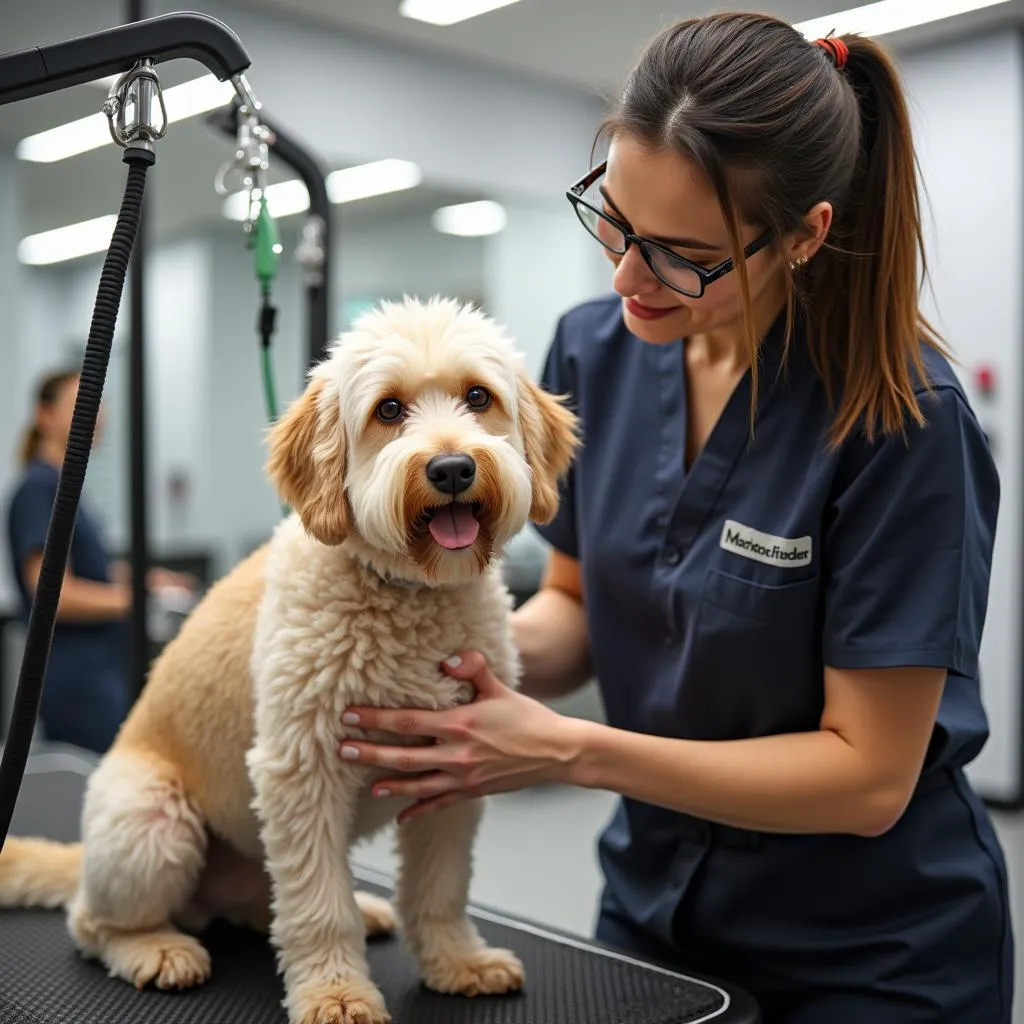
(43,69)
(129,52)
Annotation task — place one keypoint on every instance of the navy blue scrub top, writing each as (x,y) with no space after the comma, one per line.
(80,651)
(716,596)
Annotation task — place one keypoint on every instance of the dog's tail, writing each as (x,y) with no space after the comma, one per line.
(38,872)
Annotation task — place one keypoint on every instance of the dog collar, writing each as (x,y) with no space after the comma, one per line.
(397,581)
(388,578)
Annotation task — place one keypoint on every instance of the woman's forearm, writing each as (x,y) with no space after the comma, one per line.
(795,783)
(84,600)
(88,601)
(550,631)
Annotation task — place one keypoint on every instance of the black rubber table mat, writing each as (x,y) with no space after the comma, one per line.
(43,980)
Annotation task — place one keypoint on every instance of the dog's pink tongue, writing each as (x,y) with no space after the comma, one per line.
(454,526)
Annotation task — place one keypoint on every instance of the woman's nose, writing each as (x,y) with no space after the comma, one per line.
(633,276)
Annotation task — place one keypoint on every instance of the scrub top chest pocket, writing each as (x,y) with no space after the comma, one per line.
(758,630)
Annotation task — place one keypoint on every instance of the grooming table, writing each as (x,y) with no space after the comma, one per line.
(43,979)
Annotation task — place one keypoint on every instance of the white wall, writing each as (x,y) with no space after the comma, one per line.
(543,263)
(968,103)
(179,341)
(399,255)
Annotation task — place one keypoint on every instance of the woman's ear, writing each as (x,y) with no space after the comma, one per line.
(307,461)
(550,438)
(811,238)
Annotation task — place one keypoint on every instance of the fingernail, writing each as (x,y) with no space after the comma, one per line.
(350,718)
(382,792)
(350,753)
(453,662)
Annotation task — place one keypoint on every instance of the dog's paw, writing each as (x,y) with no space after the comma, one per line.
(344,1002)
(378,915)
(167,960)
(482,972)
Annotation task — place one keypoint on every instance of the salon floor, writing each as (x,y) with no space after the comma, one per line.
(535,856)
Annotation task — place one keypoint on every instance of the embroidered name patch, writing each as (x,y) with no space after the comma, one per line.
(788,552)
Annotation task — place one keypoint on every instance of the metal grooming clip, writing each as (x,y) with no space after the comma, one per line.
(252,155)
(129,107)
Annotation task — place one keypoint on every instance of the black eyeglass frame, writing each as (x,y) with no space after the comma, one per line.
(706,275)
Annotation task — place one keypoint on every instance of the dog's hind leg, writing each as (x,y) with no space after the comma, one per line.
(432,895)
(378,914)
(144,848)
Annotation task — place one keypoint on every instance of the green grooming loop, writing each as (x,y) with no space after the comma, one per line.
(265,243)
(266,251)
(266,246)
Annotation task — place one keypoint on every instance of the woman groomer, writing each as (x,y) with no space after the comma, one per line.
(85,696)
(773,552)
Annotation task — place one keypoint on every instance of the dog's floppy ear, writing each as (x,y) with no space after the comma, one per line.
(307,461)
(550,437)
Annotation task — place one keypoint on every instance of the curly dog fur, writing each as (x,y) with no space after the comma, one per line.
(383,570)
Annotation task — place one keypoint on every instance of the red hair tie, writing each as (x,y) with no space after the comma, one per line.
(838,50)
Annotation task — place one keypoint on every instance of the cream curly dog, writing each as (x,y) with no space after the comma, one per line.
(418,449)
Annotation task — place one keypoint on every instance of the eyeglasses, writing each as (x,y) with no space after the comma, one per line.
(681,275)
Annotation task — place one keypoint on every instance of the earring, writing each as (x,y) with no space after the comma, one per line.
(798,262)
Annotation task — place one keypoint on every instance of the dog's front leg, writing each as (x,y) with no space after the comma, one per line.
(432,894)
(306,804)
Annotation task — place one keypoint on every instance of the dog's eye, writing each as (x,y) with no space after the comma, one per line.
(478,398)
(390,410)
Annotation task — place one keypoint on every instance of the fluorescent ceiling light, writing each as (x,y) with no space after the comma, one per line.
(87,133)
(65,140)
(448,12)
(67,243)
(197,97)
(373,179)
(287,198)
(471,219)
(890,16)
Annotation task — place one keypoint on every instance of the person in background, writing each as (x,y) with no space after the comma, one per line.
(86,694)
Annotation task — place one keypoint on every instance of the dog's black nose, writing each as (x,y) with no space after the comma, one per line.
(451,474)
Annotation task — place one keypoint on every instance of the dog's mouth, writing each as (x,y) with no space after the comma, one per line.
(453,526)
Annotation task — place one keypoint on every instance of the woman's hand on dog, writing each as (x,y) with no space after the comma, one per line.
(502,741)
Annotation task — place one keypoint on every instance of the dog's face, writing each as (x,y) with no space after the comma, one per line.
(422,435)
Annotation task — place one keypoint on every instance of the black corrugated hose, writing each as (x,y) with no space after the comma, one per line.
(69,489)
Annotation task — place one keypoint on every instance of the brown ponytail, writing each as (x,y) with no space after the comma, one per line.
(29,445)
(47,392)
(872,273)
(778,124)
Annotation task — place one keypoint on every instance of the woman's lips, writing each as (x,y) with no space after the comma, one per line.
(642,312)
